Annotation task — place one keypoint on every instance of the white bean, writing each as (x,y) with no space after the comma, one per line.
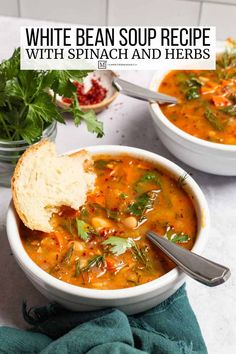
(100,223)
(130,222)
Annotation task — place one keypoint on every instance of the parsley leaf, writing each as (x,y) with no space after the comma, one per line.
(83,229)
(93,125)
(26,109)
(119,244)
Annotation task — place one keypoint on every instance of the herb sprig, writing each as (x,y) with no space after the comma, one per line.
(119,245)
(26,108)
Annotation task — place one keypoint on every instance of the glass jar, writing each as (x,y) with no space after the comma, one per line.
(10,151)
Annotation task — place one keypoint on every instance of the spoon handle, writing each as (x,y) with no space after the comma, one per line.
(197,267)
(129,89)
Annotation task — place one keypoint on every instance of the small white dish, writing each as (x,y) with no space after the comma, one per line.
(219,159)
(105,78)
(131,300)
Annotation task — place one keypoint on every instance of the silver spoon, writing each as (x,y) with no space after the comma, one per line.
(197,267)
(135,91)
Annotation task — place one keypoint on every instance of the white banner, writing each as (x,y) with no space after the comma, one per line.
(121,48)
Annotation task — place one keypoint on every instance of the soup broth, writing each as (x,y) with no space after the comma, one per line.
(206,105)
(103,245)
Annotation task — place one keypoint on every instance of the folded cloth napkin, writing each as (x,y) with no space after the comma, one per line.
(169,328)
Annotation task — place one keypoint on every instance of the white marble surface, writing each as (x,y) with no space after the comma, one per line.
(128,122)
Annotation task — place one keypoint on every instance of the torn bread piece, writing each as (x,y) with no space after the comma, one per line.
(43,182)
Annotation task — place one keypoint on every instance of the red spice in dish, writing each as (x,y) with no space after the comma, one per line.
(94,95)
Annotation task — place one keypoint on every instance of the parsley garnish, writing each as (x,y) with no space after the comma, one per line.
(26,108)
(119,245)
(83,229)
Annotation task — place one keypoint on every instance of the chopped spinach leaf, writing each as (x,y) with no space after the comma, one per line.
(149,177)
(68,227)
(179,238)
(77,268)
(190,85)
(112,214)
(174,237)
(123,196)
(230,110)
(101,164)
(142,203)
(213,120)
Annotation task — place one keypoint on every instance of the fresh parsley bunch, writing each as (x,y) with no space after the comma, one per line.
(26,108)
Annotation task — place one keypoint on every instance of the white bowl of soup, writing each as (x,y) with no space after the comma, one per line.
(201,129)
(99,256)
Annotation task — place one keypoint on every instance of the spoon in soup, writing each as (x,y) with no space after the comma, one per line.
(141,93)
(197,267)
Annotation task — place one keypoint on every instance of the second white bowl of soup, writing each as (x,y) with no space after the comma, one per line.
(99,256)
(201,129)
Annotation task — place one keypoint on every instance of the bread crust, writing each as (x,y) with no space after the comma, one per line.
(17,174)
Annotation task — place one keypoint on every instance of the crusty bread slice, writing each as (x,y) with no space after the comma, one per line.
(43,182)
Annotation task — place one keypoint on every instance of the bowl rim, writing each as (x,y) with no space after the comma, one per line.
(165,281)
(155,108)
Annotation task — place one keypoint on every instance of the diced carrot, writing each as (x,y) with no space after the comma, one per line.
(227,83)
(209,87)
(98,198)
(205,90)
(60,239)
(110,264)
(212,84)
(221,101)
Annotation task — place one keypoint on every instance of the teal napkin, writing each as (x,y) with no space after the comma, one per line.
(169,328)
